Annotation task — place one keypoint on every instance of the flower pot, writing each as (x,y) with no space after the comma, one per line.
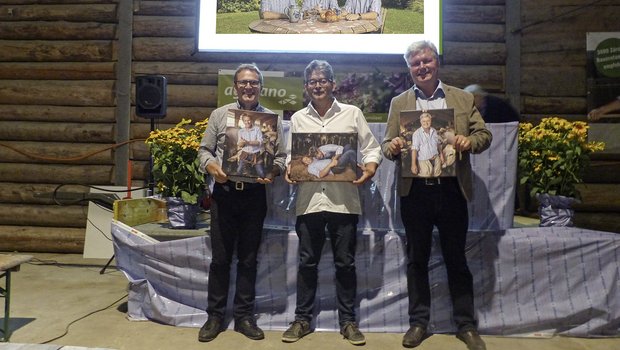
(555,210)
(180,214)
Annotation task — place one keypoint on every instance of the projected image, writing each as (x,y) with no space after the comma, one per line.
(330,26)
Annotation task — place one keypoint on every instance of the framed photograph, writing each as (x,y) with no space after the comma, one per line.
(324,157)
(250,143)
(429,137)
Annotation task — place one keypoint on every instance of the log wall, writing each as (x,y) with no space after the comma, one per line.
(58,98)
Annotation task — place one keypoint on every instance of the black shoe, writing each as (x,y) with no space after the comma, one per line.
(249,328)
(472,339)
(351,332)
(210,329)
(414,336)
(296,331)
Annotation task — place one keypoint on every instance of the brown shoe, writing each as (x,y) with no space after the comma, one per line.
(472,339)
(414,336)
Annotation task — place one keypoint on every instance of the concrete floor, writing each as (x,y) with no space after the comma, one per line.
(63,299)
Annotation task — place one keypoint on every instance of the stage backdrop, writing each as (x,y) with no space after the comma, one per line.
(492,207)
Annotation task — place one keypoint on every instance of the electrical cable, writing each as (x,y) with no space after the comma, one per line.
(71,159)
(83,317)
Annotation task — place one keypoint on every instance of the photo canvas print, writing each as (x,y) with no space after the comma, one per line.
(323,157)
(429,143)
(250,143)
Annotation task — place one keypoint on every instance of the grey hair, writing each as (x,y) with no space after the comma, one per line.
(419,46)
(249,66)
(321,66)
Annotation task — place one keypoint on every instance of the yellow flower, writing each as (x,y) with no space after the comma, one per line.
(554,154)
(176,168)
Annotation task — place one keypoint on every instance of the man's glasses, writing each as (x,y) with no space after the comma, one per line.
(321,82)
(243,83)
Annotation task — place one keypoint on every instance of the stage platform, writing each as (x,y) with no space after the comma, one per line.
(528,281)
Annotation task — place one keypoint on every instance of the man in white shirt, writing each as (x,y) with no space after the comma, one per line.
(321,4)
(332,205)
(363,9)
(274,9)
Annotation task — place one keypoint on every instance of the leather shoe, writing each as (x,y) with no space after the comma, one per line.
(249,328)
(472,339)
(414,336)
(210,329)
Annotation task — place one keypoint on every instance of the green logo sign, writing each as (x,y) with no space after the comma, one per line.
(607,58)
(278,94)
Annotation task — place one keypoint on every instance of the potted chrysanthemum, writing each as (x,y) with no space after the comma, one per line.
(553,156)
(176,169)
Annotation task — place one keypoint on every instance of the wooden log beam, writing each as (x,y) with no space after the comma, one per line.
(491,77)
(609,222)
(57,71)
(13,192)
(557,81)
(203,73)
(598,197)
(474,14)
(67,132)
(57,30)
(553,105)
(559,58)
(58,92)
(165,8)
(602,171)
(42,239)
(56,113)
(57,173)
(55,12)
(474,53)
(42,215)
(57,51)
(474,32)
(169,26)
(55,152)
(174,115)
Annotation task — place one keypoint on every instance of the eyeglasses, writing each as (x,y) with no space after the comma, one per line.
(321,82)
(243,83)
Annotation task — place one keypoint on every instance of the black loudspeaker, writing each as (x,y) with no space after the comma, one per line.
(151,96)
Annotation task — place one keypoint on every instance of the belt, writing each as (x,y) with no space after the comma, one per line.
(432,181)
(240,185)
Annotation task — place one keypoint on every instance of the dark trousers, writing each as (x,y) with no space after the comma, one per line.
(236,223)
(342,229)
(441,205)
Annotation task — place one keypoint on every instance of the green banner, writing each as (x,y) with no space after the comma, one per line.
(607,58)
(371,92)
(283,95)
